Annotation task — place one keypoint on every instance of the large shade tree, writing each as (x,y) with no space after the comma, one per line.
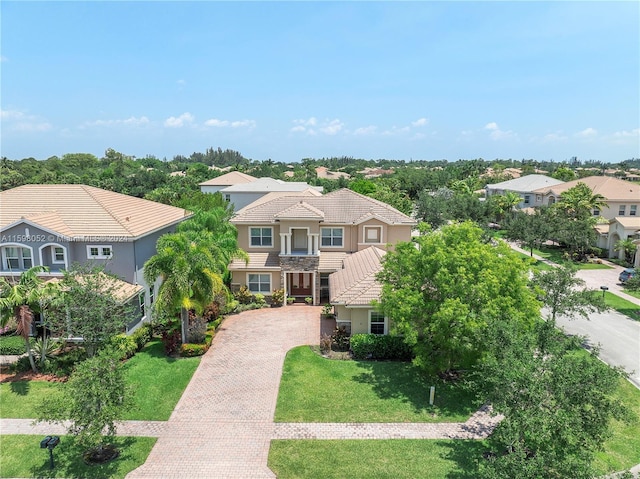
(442,291)
(20,299)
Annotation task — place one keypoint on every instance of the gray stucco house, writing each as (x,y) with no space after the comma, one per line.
(58,225)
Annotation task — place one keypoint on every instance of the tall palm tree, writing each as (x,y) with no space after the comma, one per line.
(189,272)
(19,300)
(581,201)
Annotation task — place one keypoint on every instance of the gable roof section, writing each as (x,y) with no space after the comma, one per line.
(355,284)
(80,210)
(611,188)
(278,194)
(339,207)
(525,183)
(300,211)
(228,179)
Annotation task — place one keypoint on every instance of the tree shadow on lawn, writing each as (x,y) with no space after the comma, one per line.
(404,381)
(21,388)
(69,463)
(466,454)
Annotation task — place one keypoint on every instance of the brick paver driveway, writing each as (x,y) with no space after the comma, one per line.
(223,424)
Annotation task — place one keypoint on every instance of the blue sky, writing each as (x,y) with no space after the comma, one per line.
(293,80)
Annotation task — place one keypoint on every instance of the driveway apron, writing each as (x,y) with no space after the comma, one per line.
(223,424)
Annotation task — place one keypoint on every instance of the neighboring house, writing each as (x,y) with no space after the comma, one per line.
(58,225)
(223,181)
(324,173)
(622,197)
(246,189)
(525,187)
(620,228)
(353,288)
(295,243)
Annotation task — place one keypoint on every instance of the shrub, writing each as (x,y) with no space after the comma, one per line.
(308,300)
(243,295)
(291,300)
(327,309)
(277,297)
(375,346)
(259,300)
(171,341)
(124,345)
(340,338)
(190,350)
(633,284)
(325,343)
(196,330)
(46,349)
(142,335)
(13,345)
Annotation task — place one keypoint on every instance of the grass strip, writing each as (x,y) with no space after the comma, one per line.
(22,457)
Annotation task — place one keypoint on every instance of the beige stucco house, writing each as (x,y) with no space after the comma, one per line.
(525,187)
(295,242)
(622,197)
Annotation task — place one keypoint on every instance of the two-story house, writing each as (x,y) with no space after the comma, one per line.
(241,189)
(58,225)
(525,187)
(296,242)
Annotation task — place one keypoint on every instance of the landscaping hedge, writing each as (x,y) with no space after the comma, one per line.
(189,350)
(383,348)
(12,345)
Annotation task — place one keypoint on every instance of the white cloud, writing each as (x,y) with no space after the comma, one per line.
(587,133)
(627,134)
(496,133)
(20,121)
(310,122)
(131,121)
(420,122)
(551,137)
(366,130)
(298,128)
(395,130)
(241,123)
(178,122)
(333,127)
(216,122)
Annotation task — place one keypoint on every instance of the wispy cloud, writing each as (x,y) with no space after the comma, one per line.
(366,130)
(396,130)
(553,137)
(214,122)
(18,120)
(627,133)
(587,133)
(130,122)
(312,126)
(420,122)
(496,133)
(178,122)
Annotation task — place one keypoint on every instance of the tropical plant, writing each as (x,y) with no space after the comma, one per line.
(580,201)
(628,247)
(189,272)
(20,299)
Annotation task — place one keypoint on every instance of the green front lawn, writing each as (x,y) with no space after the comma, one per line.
(22,457)
(622,451)
(556,255)
(157,381)
(315,389)
(379,459)
(623,306)
(533,263)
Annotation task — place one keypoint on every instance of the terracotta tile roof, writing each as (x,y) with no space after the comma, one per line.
(611,188)
(80,210)
(355,284)
(228,179)
(257,261)
(628,221)
(301,211)
(339,207)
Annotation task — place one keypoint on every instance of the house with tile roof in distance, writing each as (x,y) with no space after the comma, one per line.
(525,187)
(241,189)
(294,243)
(59,225)
(353,288)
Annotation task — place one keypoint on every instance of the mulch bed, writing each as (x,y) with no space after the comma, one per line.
(7,376)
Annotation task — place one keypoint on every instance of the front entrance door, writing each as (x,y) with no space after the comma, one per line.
(300,284)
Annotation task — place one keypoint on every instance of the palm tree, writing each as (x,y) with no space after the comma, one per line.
(581,201)
(504,204)
(189,272)
(628,247)
(19,301)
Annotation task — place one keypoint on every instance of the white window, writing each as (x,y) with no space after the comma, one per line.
(621,210)
(596,212)
(372,234)
(259,283)
(377,323)
(331,236)
(57,255)
(633,210)
(141,302)
(16,258)
(227,197)
(527,199)
(261,237)
(99,252)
